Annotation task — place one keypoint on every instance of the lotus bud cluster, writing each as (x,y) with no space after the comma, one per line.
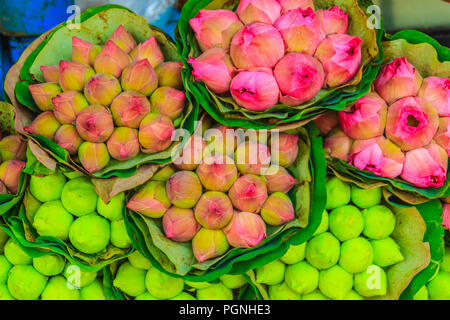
(12,160)
(112,101)
(272,52)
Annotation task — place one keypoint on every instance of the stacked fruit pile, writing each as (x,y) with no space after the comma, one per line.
(12,159)
(85,111)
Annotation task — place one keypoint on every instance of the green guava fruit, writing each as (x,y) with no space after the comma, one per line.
(79,197)
(386,252)
(294,254)
(51,219)
(302,278)
(352,295)
(5,266)
(282,292)
(161,285)
(232,281)
(335,282)
(113,210)
(379,222)
(130,280)
(324,224)
(346,222)
(49,265)
(439,287)
(137,260)
(370,283)
(338,193)
(216,291)
(58,288)
(323,251)
(315,295)
(47,188)
(78,277)
(119,235)
(25,283)
(366,198)
(4,293)
(15,254)
(422,294)
(94,291)
(90,233)
(356,255)
(271,273)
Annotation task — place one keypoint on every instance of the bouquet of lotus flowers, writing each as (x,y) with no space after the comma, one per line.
(261,63)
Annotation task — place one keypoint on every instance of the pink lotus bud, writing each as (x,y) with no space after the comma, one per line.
(340,55)
(68,138)
(214,210)
(184,189)
(365,119)
(278,209)
(95,124)
(13,147)
(245,230)
(398,79)
(180,224)
(169,74)
(279,181)
(111,60)
(442,136)
(168,101)
(214,68)
(140,76)
(266,11)
(248,193)
(252,158)
(151,200)
(222,140)
(301,31)
(10,172)
(129,108)
(67,105)
(43,93)
(50,73)
(426,167)
(215,28)
(123,39)
(446,215)
(300,78)
(155,133)
(102,89)
(149,50)
(191,155)
(84,52)
(217,173)
(437,92)
(45,125)
(74,75)
(327,122)
(257,45)
(255,90)
(333,20)
(288,5)
(338,144)
(411,123)
(284,150)
(93,156)
(208,244)
(378,155)
(123,144)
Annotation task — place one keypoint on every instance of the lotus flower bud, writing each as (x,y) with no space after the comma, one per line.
(123,39)
(43,93)
(74,75)
(13,147)
(245,230)
(338,144)
(398,79)
(288,5)
(411,123)
(67,105)
(252,158)
(169,74)
(333,20)
(280,181)
(327,122)
(217,173)
(155,133)
(50,73)
(9,174)
(95,124)
(151,200)
(123,144)
(84,52)
(278,209)
(111,60)
(168,101)
(257,45)
(93,156)
(209,244)
(180,224)
(340,55)
(426,167)
(140,76)
(222,140)
(68,138)
(149,50)
(442,136)
(102,89)
(301,31)
(300,78)
(378,155)
(184,189)
(266,11)
(437,92)
(248,193)
(365,119)
(215,28)
(191,155)
(214,68)
(213,210)
(45,124)
(255,90)
(284,150)
(446,215)
(129,108)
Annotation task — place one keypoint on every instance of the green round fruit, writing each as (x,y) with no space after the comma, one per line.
(439,287)
(335,282)
(130,280)
(324,223)
(379,222)
(422,294)
(4,293)
(315,295)
(216,291)
(137,260)
(356,255)
(47,188)
(51,219)
(366,198)
(352,295)
(5,266)
(386,252)
(119,234)
(282,292)
(49,265)
(79,197)
(371,283)
(77,277)
(271,273)
(323,251)
(197,285)
(302,278)
(161,285)
(90,234)
(25,283)
(59,289)
(338,193)
(183,296)
(294,254)
(232,281)
(94,291)
(346,222)
(146,296)
(113,210)
(15,254)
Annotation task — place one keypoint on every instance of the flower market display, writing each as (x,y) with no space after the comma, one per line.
(276,150)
